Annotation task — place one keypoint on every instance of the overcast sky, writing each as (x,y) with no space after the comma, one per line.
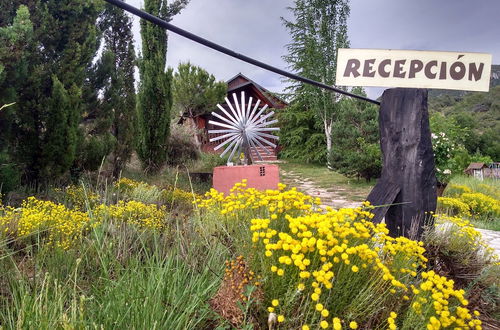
(254,28)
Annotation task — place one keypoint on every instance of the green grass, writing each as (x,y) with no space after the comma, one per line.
(349,188)
(114,279)
(488,186)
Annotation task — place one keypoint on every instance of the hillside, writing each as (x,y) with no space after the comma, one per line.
(478,111)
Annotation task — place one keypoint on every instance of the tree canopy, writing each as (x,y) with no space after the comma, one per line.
(195,91)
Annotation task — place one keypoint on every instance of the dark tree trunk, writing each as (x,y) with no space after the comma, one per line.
(408,178)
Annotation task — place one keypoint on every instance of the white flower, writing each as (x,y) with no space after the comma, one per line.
(447,171)
(434,136)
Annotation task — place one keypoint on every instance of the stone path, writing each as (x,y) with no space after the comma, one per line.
(492,238)
(335,200)
(328,198)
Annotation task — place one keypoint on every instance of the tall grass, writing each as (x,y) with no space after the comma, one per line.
(116,276)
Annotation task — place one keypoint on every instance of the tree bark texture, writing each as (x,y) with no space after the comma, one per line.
(408,180)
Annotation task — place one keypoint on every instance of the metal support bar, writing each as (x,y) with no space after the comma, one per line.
(155,20)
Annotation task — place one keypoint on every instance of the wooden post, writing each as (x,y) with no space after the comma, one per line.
(407,186)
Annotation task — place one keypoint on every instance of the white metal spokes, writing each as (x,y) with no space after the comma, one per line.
(243,127)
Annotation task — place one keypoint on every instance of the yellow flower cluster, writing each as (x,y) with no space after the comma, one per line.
(144,216)
(317,247)
(126,184)
(179,196)
(465,233)
(457,190)
(481,204)
(489,190)
(324,254)
(79,197)
(167,196)
(433,300)
(453,206)
(271,202)
(59,225)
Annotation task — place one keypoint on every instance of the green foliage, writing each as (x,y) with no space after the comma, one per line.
(301,136)
(55,42)
(60,139)
(119,95)
(9,174)
(155,92)
(356,150)
(319,28)
(448,141)
(195,91)
(478,114)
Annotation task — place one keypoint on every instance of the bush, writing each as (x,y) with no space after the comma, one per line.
(10,177)
(182,148)
(331,268)
(477,200)
(453,206)
(482,205)
(456,250)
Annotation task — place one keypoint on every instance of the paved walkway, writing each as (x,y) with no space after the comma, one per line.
(328,198)
(492,238)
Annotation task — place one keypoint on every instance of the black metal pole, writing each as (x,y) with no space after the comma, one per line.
(155,20)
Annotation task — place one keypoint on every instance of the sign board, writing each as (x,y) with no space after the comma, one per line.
(414,69)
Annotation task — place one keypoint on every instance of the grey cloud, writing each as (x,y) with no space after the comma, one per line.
(254,28)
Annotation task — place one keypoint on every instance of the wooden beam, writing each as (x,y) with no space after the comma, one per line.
(408,163)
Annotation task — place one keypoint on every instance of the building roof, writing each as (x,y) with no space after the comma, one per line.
(476,166)
(240,81)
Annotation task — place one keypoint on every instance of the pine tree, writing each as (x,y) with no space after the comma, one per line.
(195,91)
(64,45)
(301,136)
(319,29)
(155,92)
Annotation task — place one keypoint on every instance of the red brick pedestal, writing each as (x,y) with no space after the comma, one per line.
(261,176)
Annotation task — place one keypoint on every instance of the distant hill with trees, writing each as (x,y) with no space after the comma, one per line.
(478,112)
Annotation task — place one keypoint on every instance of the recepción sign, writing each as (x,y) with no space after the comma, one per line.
(415,69)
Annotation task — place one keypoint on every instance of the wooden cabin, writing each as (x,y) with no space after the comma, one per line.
(237,84)
(481,170)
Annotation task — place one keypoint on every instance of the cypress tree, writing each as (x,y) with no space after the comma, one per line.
(120,93)
(59,148)
(155,92)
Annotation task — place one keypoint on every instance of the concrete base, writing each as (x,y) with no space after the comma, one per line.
(261,176)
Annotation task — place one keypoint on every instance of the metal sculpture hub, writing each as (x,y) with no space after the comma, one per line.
(244,127)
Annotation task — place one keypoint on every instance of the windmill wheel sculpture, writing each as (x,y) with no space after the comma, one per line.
(243,128)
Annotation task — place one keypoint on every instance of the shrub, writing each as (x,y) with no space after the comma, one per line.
(453,206)
(482,205)
(142,215)
(78,197)
(54,223)
(455,190)
(182,148)
(10,177)
(456,250)
(333,267)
